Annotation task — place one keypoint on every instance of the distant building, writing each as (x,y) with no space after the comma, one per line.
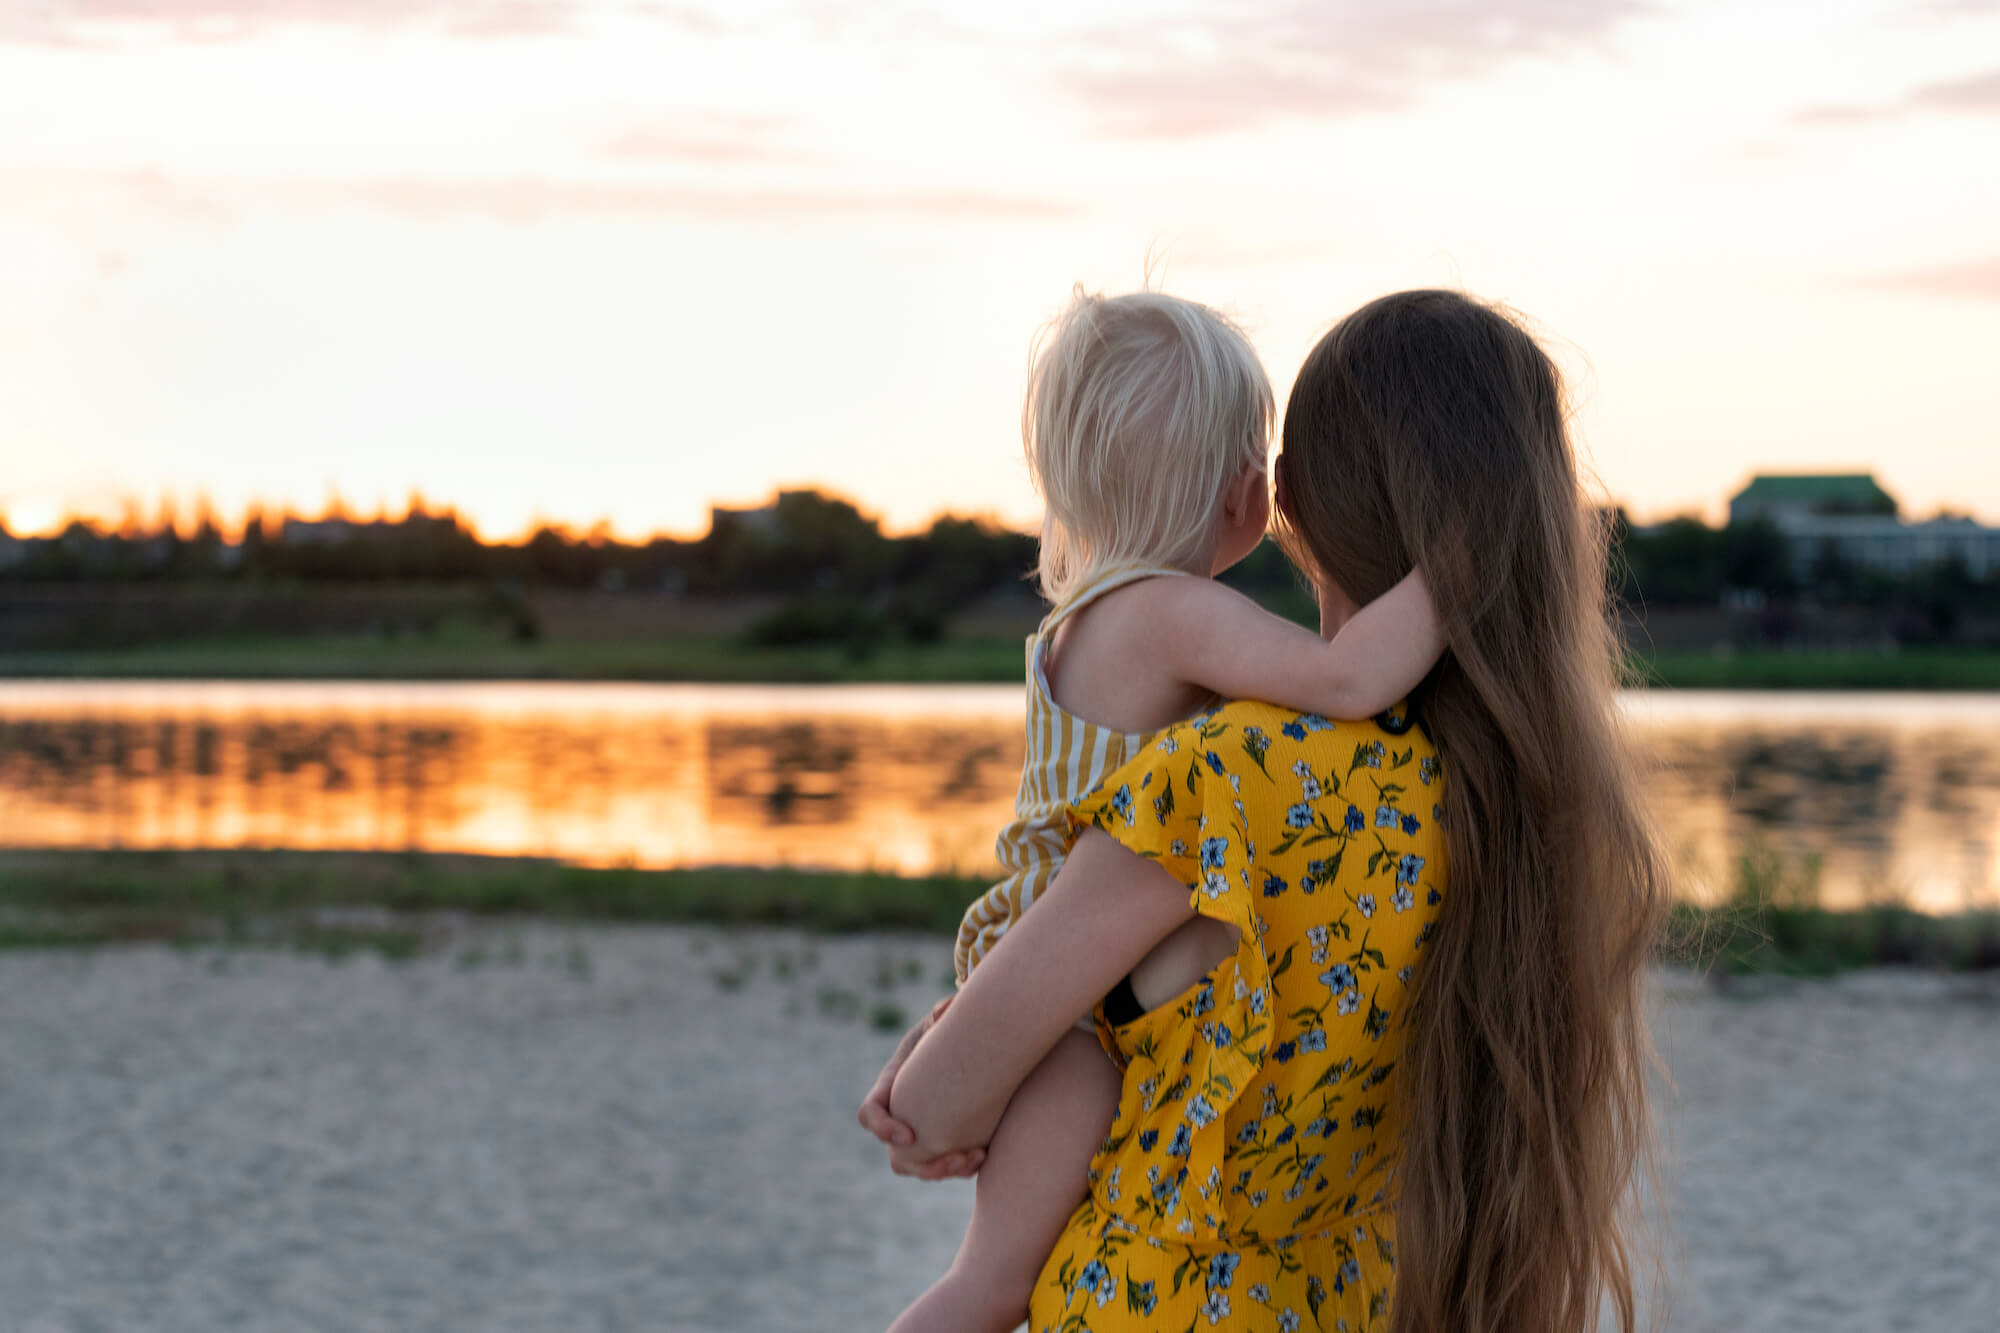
(1781,496)
(331,531)
(1850,516)
(316,531)
(764,520)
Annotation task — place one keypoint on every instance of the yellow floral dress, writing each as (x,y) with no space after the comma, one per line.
(1245,1180)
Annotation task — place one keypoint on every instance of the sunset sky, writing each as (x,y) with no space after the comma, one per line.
(582,259)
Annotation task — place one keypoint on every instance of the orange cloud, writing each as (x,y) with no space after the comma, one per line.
(713,139)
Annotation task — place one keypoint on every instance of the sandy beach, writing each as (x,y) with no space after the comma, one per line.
(533,1127)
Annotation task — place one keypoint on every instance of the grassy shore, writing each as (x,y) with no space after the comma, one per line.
(1768,669)
(476,655)
(337,901)
(470,652)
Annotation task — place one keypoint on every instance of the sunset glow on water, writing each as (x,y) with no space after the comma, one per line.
(1899,796)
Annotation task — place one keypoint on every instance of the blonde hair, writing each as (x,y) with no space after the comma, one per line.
(1141,409)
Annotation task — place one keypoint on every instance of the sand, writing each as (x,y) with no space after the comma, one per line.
(558,1128)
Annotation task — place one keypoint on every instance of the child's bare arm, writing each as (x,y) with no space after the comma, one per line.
(1222,641)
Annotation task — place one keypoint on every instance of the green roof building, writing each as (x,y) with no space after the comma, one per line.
(1779,496)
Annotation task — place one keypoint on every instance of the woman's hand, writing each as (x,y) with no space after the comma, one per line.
(876,1118)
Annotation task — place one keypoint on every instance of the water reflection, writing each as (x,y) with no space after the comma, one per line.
(1898,795)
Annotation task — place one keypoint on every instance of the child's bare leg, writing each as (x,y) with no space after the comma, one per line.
(1033,1179)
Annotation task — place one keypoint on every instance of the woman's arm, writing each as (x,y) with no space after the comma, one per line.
(1104,911)
(1220,640)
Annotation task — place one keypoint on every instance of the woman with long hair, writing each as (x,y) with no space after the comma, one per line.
(1405,1089)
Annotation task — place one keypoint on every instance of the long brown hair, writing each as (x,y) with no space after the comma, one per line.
(1427,430)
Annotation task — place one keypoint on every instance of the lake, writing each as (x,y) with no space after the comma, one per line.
(1896,795)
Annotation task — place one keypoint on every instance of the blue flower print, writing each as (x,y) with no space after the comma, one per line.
(1410,824)
(1282,1053)
(1314,722)
(1321,1127)
(1260,1292)
(1147,1138)
(1294,730)
(1214,762)
(1402,900)
(1433,898)
(1212,852)
(1140,1296)
(1093,1273)
(1365,904)
(1274,885)
(1199,1111)
(1121,802)
(1356,821)
(1349,1001)
(1217,1034)
(1204,1000)
(1349,1272)
(1181,1142)
(1299,816)
(1222,1267)
(1288,1322)
(1385,816)
(1216,1307)
(1427,769)
(1407,868)
(1338,978)
(1284,1136)
(1312,1040)
(1375,752)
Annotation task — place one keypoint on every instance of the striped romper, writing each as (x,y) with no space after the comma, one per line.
(1066,757)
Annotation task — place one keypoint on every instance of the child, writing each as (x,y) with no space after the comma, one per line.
(1146,424)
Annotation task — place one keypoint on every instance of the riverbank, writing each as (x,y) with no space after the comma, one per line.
(388,903)
(541,1126)
(465,652)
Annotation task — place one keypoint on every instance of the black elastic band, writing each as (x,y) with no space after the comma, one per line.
(1121,1006)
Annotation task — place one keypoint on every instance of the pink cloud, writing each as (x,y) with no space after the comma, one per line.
(1978,94)
(1977,279)
(1310,60)
(78,22)
(519,200)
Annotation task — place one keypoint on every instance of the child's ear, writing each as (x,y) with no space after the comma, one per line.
(1281,497)
(1243,493)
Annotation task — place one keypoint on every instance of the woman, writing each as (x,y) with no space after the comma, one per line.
(1411,1095)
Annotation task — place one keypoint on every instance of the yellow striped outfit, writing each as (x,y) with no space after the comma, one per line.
(1066,757)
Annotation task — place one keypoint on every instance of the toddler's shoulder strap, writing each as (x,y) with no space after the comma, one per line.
(1103,581)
